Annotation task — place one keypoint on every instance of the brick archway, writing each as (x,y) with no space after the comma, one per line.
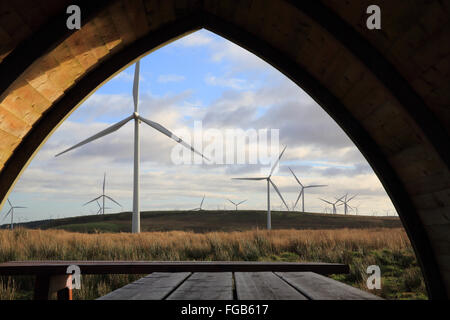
(388,90)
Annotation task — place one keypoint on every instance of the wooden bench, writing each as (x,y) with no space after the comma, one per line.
(195,279)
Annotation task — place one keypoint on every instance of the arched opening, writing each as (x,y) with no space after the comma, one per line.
(365,126)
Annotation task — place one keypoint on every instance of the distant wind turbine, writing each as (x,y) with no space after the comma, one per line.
(103,196)
(332,203)
(236,204)
(302,191)
(136,219)
(269,182)
(11,212)
(345,202)
(201,204)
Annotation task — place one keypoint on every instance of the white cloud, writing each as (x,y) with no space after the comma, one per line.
(170,78)
(233,83)
(195,39)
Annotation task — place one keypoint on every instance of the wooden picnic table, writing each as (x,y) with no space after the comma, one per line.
(221,280)
(237,286)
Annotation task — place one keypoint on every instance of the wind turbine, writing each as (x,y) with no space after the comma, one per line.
(11,211)
(236,204)
(332,203)
(269,182)
(201,204)
(345,202)
(136,219)
(302,191)
(103,196)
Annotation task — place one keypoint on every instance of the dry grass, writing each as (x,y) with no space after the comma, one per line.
(356,247)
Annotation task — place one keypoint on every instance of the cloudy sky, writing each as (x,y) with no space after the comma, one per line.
(201,77)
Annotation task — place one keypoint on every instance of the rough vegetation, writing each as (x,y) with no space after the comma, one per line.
(387,247)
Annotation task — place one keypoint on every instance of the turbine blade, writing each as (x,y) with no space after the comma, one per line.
(317,185)
(10,203)
(92,200)
(19,207)
(248,178)
(279,193)
(241,202)
(351,198)
(231,201)
(295,177)
(168,133)
(201,203)
(104,179)
(276,162)
(340,199)
(298,198)
(326,201)
(102,133)
(7,214)
(99,206)
(136,85)
(113,200)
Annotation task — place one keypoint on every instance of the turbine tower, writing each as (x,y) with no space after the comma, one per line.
(136,220)
(269,182)
(345,202)
(103,197)
(302,191)
(236,204)
(11,211)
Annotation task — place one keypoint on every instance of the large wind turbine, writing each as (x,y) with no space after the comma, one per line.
(11,211)
(237,204)
(269,182)
(103,196)
(136,220)
(345,202)
(302,191)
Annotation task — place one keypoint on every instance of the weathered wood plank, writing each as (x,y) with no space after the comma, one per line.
(264,286)
(205,286)
(155,286)
(146,267)
(318,287)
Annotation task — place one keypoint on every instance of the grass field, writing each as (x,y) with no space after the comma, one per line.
(209,221)
(387,247)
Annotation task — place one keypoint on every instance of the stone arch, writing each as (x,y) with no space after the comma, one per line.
(390,100)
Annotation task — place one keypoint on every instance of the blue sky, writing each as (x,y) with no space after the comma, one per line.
(201,77)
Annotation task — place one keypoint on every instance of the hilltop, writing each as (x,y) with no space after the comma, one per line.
(212,220)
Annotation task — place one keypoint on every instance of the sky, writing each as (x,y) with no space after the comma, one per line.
(201,79)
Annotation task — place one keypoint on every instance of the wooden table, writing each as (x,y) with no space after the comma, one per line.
(222,280)
(237,286)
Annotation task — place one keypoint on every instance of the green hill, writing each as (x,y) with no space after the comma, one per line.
(206,221)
